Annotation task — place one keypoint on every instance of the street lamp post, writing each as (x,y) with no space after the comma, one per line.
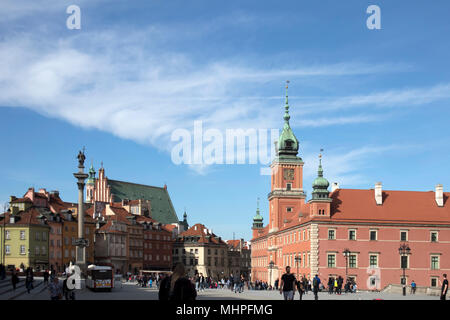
(404,250)
(271,264)
(346,254)
(298,260)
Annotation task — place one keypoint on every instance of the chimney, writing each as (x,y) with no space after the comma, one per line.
(378,193)
(439,195)
(334,186)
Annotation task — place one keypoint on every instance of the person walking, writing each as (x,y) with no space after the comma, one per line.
(287,284)
(46,275)
(29,279)
(305,284)
(335,285)
(237,281)
(444,288)
(340,282)
(177,287)
(55,289)
(2,271)
(330,285)
(413,287)
(300,288)
(316,283)
(14,279)
(68,293)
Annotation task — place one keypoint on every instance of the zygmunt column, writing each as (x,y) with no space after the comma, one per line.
(81,242)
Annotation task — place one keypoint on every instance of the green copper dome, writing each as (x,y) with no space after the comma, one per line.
(320,184)
(91,177)
(287,143)
(257,219)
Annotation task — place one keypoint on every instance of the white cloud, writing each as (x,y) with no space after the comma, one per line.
(122,82)
(347,166)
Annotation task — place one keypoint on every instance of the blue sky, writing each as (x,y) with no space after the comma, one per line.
(377,101)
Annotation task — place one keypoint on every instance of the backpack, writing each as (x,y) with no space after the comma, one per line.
(315,282)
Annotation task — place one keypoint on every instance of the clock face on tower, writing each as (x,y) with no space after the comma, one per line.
(288,174)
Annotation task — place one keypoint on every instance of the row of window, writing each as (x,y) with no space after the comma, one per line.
(352,261)
(22,250)
(37,235)
(66,254)
(373,235)
(149,236)
(195,251)
(293,260)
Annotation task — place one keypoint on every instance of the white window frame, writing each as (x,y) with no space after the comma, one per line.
(334,234)
(376,234)
(407,235)
(349,230)
(22,234)
(437,236)
(335,259)
(438,256)
(378,259)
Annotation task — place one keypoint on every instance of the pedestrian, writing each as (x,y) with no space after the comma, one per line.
(315,283)
(335,285)
(14,279)
(181,288)
(413,287)
(340,282)
(276,284)
(330,285)
(68,292)
(46,275)
(300,288)
(236,281)
(287,284)
(29,279)
(2,271)
(55,290)
(305,284)
(444,288)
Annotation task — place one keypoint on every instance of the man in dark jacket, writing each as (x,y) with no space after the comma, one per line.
(316,283)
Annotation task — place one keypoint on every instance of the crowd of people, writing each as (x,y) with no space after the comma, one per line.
(290,285)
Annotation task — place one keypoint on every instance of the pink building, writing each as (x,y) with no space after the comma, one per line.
(347,232)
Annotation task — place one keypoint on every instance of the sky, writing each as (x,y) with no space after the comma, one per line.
(376,100)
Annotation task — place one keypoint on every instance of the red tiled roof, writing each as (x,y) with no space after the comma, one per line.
(20,200)
(169,227)
(27,217)
(404,206)
(199,231)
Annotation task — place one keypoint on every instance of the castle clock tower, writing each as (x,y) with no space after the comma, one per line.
(287,196)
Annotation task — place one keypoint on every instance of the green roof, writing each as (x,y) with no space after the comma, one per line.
(162,209)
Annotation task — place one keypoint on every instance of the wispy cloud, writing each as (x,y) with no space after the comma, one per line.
(347,166)
(126,83)
(398,98)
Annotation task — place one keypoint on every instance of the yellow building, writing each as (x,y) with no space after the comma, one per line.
(25,237)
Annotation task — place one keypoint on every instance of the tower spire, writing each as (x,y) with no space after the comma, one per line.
(286,107)
(320,184)
(320,171)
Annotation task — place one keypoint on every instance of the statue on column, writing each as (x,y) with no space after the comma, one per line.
(81,157)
